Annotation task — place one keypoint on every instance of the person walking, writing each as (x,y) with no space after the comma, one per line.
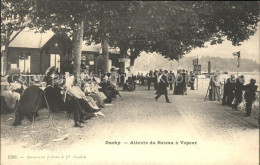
(162,87)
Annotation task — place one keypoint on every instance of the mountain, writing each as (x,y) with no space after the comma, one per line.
(148,62)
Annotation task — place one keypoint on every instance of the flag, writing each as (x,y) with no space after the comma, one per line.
(235,53)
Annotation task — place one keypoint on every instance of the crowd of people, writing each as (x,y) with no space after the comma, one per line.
(83,95)
(233,93)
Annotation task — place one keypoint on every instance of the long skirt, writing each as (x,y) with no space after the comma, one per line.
(99,101)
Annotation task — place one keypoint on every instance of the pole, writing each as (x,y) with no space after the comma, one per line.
(55,60)
(238,62)
(197,82)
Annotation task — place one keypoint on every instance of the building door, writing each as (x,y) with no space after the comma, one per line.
(25,62)
(55,61)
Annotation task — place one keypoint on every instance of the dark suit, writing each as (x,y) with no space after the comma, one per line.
(228,94)
(239,87)
(30,103)
(162,88)
(149,79)
(250,90)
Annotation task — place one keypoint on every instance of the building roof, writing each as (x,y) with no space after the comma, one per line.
(31,39)
(91,48)
(97,48)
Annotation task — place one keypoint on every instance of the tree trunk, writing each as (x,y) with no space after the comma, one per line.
(132,61)
(77,40)
(105,52)
(5,53)
(134,54)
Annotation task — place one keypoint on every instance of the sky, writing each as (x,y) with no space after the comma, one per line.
(249,49)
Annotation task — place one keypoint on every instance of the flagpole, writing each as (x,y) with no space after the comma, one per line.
(238,62)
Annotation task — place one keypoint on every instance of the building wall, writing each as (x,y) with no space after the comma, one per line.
(13,58)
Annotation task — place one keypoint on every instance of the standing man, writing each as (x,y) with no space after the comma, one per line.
(192,80)
(156,74)
(184,82)
(250,90)
(228,94)
(239,87)
(162,87)
(149,78)
(171,78)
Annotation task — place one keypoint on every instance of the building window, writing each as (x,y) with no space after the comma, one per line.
(55,61)
(25,62)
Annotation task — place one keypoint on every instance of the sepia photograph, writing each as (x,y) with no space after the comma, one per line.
(130,82)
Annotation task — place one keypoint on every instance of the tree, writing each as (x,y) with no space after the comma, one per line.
(171,28)
(183,26)
(14,18)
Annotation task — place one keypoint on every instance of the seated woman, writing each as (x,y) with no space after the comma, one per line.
(75,91)
(10,94)
(90,92)
(74,101)
(109,90)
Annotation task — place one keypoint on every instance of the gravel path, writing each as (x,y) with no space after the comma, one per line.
(206,133)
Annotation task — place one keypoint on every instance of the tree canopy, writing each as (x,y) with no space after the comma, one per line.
(170,28)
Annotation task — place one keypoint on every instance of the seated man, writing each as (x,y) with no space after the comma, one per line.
(30,103)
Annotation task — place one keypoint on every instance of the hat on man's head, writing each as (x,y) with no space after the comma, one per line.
(252,81)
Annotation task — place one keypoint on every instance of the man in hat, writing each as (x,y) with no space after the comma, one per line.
(129,78)
(192,80)
(162,87)
(228,94)
(239,87)
(171,78)
(250,90)
(149,78)
(156,75)
(184,82)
